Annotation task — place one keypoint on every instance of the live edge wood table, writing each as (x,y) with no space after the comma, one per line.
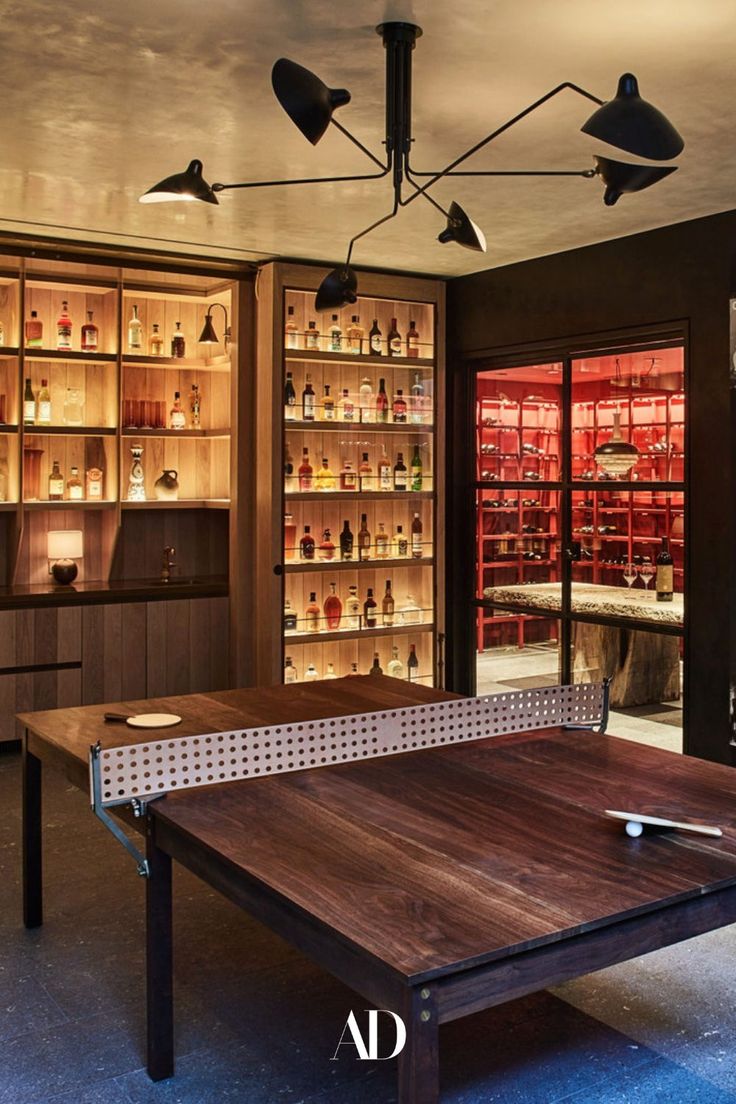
(435,883)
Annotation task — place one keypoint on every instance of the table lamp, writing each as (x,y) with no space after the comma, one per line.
(64,547)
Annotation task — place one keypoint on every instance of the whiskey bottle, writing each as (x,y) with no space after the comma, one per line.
(291,331)
(289,399)
(400,543)
(325,480)
(412,341)
(382,542)
(328,405)
(34,331)
(74,487)
(333,608)
(306,544)
(311,674)
(178,344)
(289,536)
(394,340)
(155,341)
(43,405)
(330,672)
(387,606)
(94,484)
(312,614)
(352,608)
(311,336)
(347,407)
(399,407)
(326,548)
(354,335)
(370,607)
(177,418)
(289,617)
(308,400)
(346,542)
(416,405)
(364,539)
(665,573)
(375,345)
(381,402)
(335,332)
(56,483)
(416,470)
(376,669)
(417,545)
(135,327)
(348,477)
(367,410)
(412,664)
(290,672)
(385,475)
(195,407)
(305,472)
(394,667)
(365,471)
(400,473)
(90,335)
(64,328)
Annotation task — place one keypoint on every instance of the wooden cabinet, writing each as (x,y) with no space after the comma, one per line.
(186,646)
(40,662)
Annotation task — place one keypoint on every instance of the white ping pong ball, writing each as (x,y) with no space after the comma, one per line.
(634,828)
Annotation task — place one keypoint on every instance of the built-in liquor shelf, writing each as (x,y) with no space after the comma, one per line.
(8,507)
(70,504)
(9,352)
(181,364)
(336,635)
(356,496)
(129,431)
(322,426)
(70,355)
(69,431)
(178,504)
(5,428)
(301,567)
(356,360)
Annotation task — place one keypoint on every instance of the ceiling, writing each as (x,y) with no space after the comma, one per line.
(102,99)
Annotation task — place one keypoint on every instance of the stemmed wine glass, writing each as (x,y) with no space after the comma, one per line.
(647,572)
(630,573)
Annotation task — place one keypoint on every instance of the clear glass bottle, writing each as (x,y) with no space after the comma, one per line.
(195,407)
(90,334)
(364,539)
(155,341)
(416,402)
(347,406)
(365,402)
(412,340)
(311,336)
(411,613)
(56,483)
(385,475)
(326,549)
(34,331)
(394,340)
(289,399)
(324,479)
(335,335)
(416,470)
(43,405)
(177,417)
(311,674)
(330,672)
(308,400)
(290,671)
(135,332)
(306,482)
(352,608)
(312,614)
(328,405)
(64,328)
(178,344)
(394,667)
(354,335)
(74,486)
(382,542)
(412,664)
(387,606)
(370,608)
(307,544)
(73,412)
(400,544)
(291,331)
(333,608)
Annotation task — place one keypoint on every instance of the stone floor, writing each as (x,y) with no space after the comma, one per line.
(258,1023)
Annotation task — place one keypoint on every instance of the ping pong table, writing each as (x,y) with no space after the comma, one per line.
(435,883)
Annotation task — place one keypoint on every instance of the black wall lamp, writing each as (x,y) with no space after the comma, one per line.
(626,121)
(208,335)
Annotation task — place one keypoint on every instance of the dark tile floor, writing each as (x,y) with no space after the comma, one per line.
(258,1024)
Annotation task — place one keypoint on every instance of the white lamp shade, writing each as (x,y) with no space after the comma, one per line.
(65,544)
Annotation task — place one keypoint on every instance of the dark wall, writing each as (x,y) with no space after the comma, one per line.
(680,274)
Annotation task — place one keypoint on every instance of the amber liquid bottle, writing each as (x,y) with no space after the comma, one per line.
(305,472)
(333,608)
(364,539)
(370,607)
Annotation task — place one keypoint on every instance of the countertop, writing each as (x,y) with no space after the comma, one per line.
(589,598)
(29,596)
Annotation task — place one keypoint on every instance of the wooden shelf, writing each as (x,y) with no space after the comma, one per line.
(8,428)
(356,496)
(302,567)
(66,283)
(418,363)
(69,355)
(356,634)
(203,364)
(362,427)
(8,352)
(128,432)
(8,507)
(178,504)
(67,504)
(69,431)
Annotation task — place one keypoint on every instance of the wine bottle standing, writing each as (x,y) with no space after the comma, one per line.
(665,573)
(375,345)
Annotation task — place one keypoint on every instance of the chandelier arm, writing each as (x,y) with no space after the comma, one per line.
(586,173)
(373,226)
(500,130)
(306,180)
(364,149)
(425,195)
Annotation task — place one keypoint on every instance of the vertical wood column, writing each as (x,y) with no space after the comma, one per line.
(419,1060)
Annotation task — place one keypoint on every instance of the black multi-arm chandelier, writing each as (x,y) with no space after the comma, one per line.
(627,122)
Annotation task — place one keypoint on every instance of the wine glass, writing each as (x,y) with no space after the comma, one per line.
(647,571)
(630,573)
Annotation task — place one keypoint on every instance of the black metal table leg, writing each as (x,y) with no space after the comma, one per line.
(159,961)
(32,839)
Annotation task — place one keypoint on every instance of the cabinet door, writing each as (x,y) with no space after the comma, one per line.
(40,663)
(187,646)
(114,653)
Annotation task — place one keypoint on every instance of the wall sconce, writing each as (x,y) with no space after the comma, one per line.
(208,335)
(64,547)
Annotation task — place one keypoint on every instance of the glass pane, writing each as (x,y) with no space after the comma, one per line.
(518,423)
(518,547)
(516,652)
(638,398)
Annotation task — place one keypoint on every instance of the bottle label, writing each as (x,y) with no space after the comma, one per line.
(416,478)
(665,579)
(349,481)
(328,411)
(336,341)
(309,408)
(416,546)
(75,490)
(29,411)
(44,412)
(384,478)
(64,335)
(312,340)
(375,343)
(402,546)
(412,346)
(395,346)
(290,409)
(400,480)
(305,482)
(94,483)
(348,411)
(56,488)
(178,421)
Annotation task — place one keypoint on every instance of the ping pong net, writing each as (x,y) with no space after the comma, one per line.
(137,773)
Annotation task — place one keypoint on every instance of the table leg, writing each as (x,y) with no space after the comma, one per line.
(159,961)
(419,1060)
(32,839)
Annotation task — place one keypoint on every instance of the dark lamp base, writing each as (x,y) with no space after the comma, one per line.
(64,571)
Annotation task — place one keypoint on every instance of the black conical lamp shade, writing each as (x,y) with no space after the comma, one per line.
(307,101)
(338,288)
(632,124)
(208,335)
(188,185)
(461,229)
(620,177)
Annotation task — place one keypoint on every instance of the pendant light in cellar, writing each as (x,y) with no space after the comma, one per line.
(616,457)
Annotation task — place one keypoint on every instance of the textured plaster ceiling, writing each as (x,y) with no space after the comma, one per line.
(102,99)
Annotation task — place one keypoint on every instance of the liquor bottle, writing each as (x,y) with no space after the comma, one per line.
(90,335)
(94,484)
(346,542)
(305,472)
(43,404)
(306,544)
(333,608)
(367,409)
(328,405)
(400,543)
(375,345)
(354,335)
(400,474)
(29,405)
(155,341)
(399,407)
(665,573)
(311,674)
(178,344)
(74,487)
(412,341)
(330,673)
(364,539)
(382,542)
(289,617)
(335,343)
(352,608)
(365,471)
(291,331)
(290,671)
(326,550)
(195,407)
(353,672)
(56,483)
(308,400)
(385,475)
(411,613)
(347,407)
(312,614)
(289,399)
(417,545)
(387,606)
(416,470)
(348,477)
(289,536)
(64,328)
(291,483)
(381,402)
(177,417)
(325,480)
(311,336)
(135,327)
(376,669)
(370,607)
(394,667)
(34,331)
(394,340)
(412,664)
(416,405)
